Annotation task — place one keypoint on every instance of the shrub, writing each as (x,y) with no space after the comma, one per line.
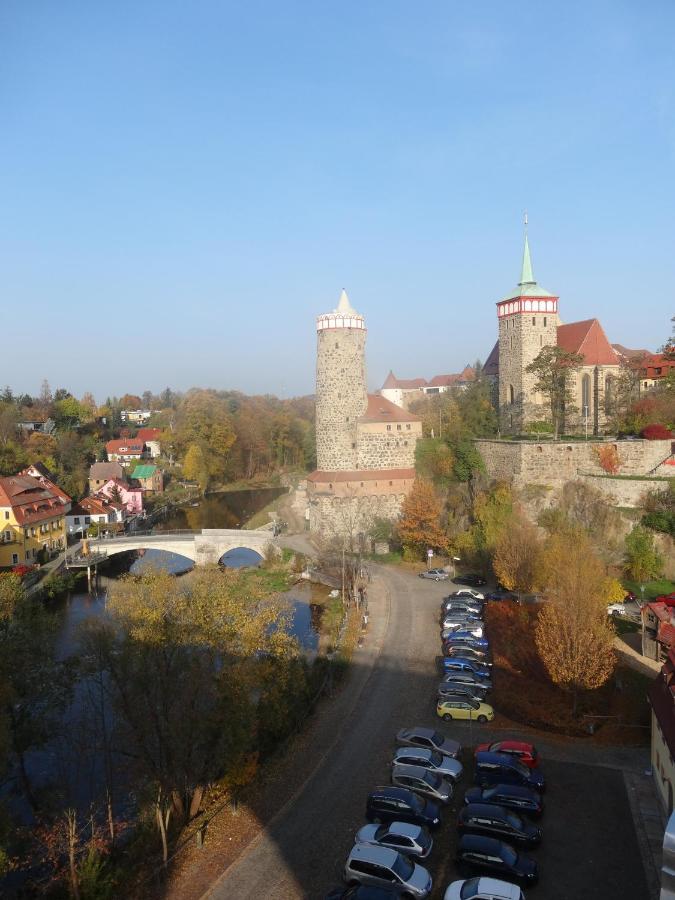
(539,428)
(608,458)
(656,432)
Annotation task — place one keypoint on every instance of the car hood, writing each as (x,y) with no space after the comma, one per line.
(536,779)
(473,795)
(419,878)
(451,767)
(366,834)
(526,865)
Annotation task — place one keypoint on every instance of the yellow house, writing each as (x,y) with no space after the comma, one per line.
(32,518)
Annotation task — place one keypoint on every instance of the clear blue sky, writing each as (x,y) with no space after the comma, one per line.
(184,186)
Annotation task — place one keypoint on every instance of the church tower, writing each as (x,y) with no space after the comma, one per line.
(341,394)
(528,321)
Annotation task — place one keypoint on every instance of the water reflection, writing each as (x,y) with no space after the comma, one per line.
(227,509)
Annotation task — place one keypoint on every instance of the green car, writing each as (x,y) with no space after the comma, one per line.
(465,708)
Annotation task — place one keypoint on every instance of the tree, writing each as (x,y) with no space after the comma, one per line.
(516,556)
(419,526)
(552,369)
(194,467)
(642,560)
(130,401)
(573,635)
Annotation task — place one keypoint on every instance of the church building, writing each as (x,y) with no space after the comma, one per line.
(528,320)
(365,445)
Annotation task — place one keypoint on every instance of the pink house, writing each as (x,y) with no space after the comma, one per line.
(131,497)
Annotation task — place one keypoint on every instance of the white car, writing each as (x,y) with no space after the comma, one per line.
(616,609)
(429,759)
(469,592)
(383,867)
(482,888)
(413,840)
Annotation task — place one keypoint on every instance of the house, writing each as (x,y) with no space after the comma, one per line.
(150,437)
(98,510)
(32,519)
(135,416)
(130,496)
(653,369)
(150,478)
(100,473)
(125,450)
(44,476)
(402,390)
(658,620)
(46,426)
(661,693)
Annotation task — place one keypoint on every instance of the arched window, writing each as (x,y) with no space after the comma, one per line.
(586,395)
(609,395)
(512,395)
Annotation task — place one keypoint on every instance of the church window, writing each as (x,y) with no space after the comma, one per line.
(511,343)
(353,446)
(391,484)
(609,395)
(585,394)
(541,341)
(511,394)
(405,443)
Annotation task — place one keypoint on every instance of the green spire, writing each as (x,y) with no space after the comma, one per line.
(526,276)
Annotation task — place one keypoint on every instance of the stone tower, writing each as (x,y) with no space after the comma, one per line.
(528,321)
(341,395)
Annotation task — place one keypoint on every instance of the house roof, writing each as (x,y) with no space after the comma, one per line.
(148,434)
(45,477)
(660,693)
(94,503)
(379,409)
(102,471)
(392,381)
(467,374)
(144,471)
(588,339)
(324,477)
(627,353)
(125,446)
(491,364)
(30,499)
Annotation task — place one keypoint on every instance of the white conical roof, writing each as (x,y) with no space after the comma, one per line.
(344,307)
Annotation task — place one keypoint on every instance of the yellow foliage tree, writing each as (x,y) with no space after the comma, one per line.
(516,557)
(194,466)
(573,635)
(419,526)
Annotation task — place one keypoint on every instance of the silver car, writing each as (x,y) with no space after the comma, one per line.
(384,867)
(470,680)
(422,781)
(450,626)
(413,840)
(421,736)
(457,689)
(444,766)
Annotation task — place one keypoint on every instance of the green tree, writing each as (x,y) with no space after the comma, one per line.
(553,368)
(642,560)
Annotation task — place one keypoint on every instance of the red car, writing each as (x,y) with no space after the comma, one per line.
(526,753)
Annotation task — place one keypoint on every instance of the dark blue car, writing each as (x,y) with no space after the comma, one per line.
(503,768)
(484,854)
(395,804)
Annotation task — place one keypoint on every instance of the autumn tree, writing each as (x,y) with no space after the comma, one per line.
(573,635)
(553,368)
(642,560)
(516,556)
(194,467)
(419,526)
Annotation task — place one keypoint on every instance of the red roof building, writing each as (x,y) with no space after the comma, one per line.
(124,450)
(588,339)
(661,693)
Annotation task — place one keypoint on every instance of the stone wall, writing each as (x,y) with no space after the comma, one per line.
(554,462)
(351,516)
(340,396)
(379,448)
(623,492)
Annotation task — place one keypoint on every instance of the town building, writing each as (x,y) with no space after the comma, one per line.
(130,496)
(365,443)
(528,320)
(32,519)
(125,450)
(661,693)
(403,391)
(109,514)
(100,473)
(135,416)
(42,426)
(150,437)
(149,477)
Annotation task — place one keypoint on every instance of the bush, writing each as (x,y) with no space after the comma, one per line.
(656,432)
(539,428)
(661,520)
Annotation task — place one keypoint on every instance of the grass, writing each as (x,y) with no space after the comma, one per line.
(652,588)
(629,477)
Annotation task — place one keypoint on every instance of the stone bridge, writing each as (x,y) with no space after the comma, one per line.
(202,547)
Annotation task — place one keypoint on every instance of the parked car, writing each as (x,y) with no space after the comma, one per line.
(395,804)
(470,681)
(492,855)
(469,629)
(465,709)
(363,892)
(447,690)
(419,736)
(445,766)
(435,574)
(513,796)
(422,781)
(629,609)
(468,592)
(480,656)
(483,888)
(449,607)
(497,596)
(526,753)
(456,640)
(383,867)
(461,664)
(413,840)
(463,600)
(471,579)
(497,821)
(502,768)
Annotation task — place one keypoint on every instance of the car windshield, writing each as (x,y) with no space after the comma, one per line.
(509,855)
(381,832)
(514,821)
(437,739)
(469,889)
(521,769)
(433,780)
(403,867)
(436,759)
(416,803)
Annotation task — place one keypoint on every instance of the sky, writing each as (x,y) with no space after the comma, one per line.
(186,184)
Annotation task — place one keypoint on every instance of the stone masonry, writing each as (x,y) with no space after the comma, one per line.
(521,338)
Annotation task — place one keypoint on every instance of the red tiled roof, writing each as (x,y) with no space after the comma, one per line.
(588,339)
(148,434)
(491,364)
(380,409)
(322,477)
(45,477)
(467,374)
(125,447)
(392,381)
(30,500)
(627,353)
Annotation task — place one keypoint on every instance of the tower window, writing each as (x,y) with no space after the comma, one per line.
(391,484)
(353,446)
(398,427)
(346,418)
(337,346)
(388,427)
(408,426)
(541,341)
(511,395)
(330,486)
(544,321)
(534,321)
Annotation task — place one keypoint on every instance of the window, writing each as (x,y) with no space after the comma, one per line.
(76,520)
(585,395)
(7,511)
(391,484)
(15,558)
(330,486)
(353,446)
(541,341)
(388,427)
(544,321)
(512,396)
(534,321)
(398,427)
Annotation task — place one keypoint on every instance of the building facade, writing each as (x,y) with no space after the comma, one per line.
(32,519)
(403,391)
(365,444)
(528,320)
